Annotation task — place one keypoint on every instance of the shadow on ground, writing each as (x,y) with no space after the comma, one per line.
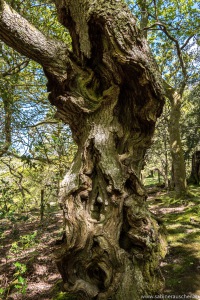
(181,267)
(30,243)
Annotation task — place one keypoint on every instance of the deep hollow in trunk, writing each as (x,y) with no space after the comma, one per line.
(111,99)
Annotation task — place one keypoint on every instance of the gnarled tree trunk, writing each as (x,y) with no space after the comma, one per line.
(195,170)
(112,100)
(108,90)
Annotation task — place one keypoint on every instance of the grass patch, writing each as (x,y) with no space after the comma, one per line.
(181,218)
(150,181)
(64,296)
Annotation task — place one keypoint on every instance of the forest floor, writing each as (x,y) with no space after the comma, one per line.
(27,265)
(181,218)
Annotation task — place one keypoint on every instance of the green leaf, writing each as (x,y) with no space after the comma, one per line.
(21,280)
(17,264)
(17,286)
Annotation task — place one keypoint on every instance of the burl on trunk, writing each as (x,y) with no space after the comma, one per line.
(111,99)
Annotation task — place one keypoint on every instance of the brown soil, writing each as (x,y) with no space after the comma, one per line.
(42,275)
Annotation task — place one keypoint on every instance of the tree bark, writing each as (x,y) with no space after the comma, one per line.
(7,124)
(195,172)
(111,249)
(111,97)
(22,36)
(178,162)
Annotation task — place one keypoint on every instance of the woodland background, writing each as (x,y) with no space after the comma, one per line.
(36,149)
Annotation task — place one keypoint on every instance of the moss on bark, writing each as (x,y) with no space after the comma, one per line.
(111,99)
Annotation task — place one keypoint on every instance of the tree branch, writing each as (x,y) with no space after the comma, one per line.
(20,178)
(7,127)
(23,157)
(163,27)
(155,8)
(16,68)
(178,48)
(19,34)
(45,122)
(187,41)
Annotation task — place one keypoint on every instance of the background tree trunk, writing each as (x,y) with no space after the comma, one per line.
(178,162)
(195,172)
(178,180)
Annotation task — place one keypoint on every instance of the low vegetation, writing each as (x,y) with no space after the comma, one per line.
(181,218)
(28,270)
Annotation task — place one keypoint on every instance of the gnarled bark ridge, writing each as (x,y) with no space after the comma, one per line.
(111,96)
(111,100)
